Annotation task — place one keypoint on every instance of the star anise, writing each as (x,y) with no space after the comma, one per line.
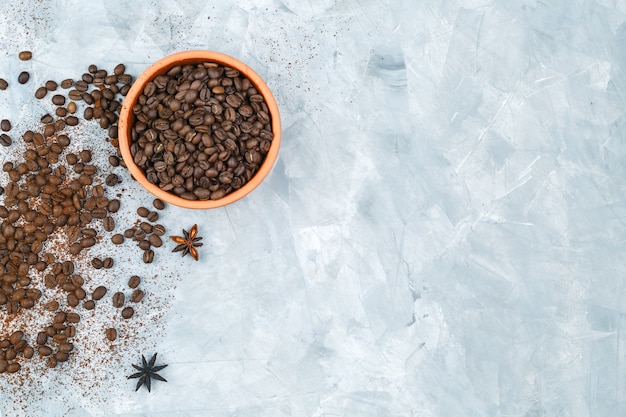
(147,371)
(188,242)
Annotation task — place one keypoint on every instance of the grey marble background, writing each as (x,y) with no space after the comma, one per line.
(442,235)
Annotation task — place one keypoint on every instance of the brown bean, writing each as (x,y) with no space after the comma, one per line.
(118,299)
(99,292)
(134,281)
(127,312)
(111,334)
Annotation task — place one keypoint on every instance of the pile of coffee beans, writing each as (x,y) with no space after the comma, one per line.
(52,204)
(201,131)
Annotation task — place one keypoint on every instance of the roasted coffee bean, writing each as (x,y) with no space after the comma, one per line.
(114,161)
(16,337)
(96,263)
(5,140)
(5,125)
(25,55)
(134,281)
(118,299)
(73,317)
(113,206)
(148,256)
(158,229)
(3,84)
(71,107)
(72,300)
(155,241)
(99,292)
(107,263)
(52,305)
(58,99)
(153,216)
(28,352)
(71,120)
(23,77)
(127,312)
(112,180)
(137,296)
(144,245)
(143,212)
(13,367)
(108,223)
(158,204)
(41,92)
(117,239)
(67,83)
(111,334)
(89,305)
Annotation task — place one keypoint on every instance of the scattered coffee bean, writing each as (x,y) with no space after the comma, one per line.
(71,107)
(5,140)
(67,83)
(143,212)
(117,239)
(99,292)
(3,84)
(51,85)
(41,92)
(118,299)
(5,125)
(111,334)
(127,312)
(137,296)
(89,304)
(153,216)
(23,77)
(107,263)
(148,256)
(134,281)
(58,99)
(158,204)
(25,55)
(158,229)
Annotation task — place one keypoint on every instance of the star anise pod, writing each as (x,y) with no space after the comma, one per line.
(188,242)
(147,372)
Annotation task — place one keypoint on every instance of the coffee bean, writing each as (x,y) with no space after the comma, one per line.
(117,239)
(137,296)
(5,140)
(107,263)
(28,352)
(143,212)
(71,120)
(3,84)
(108,223)
(113,206)
(114,161)
(67,83)
(158,204)
(5,125)
(41,92)
(25,55)
(73,317)
(148,256)
(23,77)
(112,180)
(13,367)
(134,281)
(16,337)
(111,334)
(153,216)
(51,85)
(89,305)
(72,300)
(58,99)
(99,292)
(71,107)
(155,241)
(96,263)
(118,299)
(44,350)
(158,229)
(127,312)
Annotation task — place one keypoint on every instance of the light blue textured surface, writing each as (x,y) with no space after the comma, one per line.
(442,235)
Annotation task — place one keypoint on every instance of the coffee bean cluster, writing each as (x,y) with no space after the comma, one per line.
(201,131)
(118,300)
(146,234)
(10,348)
(55,193)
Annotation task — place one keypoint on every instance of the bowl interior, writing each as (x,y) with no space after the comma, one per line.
(127,119)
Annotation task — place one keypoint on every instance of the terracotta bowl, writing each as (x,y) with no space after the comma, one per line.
(127,119)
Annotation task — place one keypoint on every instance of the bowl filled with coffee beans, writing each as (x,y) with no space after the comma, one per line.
(199,129)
